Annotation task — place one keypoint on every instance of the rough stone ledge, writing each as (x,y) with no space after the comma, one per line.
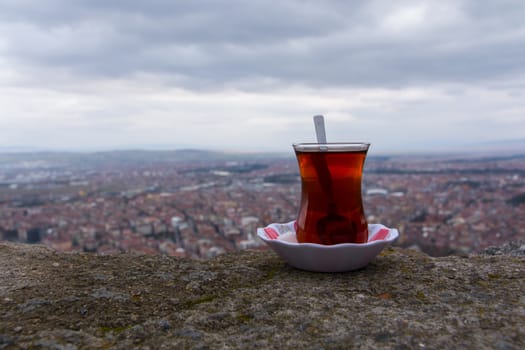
(403,299)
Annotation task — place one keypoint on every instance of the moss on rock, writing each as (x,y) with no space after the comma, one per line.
(403,299)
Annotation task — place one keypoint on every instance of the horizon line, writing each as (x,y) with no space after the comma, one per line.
(479,151)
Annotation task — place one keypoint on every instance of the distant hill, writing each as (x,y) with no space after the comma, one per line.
(486,151)
(500,146)
(46,159)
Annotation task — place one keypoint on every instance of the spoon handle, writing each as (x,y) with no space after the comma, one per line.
(319,129)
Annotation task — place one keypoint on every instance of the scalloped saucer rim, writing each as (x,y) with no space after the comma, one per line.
(326,258)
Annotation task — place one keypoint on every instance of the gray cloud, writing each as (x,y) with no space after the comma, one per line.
(156,71)
(315,43)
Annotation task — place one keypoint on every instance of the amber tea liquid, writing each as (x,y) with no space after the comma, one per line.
(331,207)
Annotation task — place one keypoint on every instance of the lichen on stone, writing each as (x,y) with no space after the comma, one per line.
(252,299)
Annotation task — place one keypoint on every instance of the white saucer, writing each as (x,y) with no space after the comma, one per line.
(326,258)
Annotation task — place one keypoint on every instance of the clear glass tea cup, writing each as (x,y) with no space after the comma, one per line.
(331,208)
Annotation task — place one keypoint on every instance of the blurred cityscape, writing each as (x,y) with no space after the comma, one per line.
(200,204)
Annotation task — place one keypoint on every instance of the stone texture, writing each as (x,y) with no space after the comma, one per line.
(516,248)
(402,300)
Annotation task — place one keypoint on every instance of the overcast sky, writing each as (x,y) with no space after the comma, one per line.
(249,75)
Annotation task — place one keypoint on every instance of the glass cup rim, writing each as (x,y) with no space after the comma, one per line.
(331,146)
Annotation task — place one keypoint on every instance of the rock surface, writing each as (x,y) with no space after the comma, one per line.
(403,299)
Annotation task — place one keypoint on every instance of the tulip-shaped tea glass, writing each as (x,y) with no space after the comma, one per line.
(331,208)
